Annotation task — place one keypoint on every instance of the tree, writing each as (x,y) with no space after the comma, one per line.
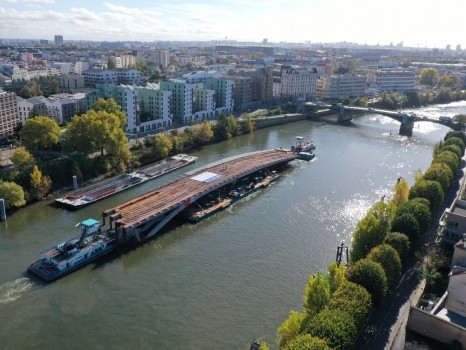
(317,295)
(31,89)
(370,275)
(354,300)
(248,125)
(428,76)
(420,211)
(459,134)
(162,146)
(390,261)
(335,276)
(336,327)
(21,157)
(457,141)
(111,63)
(289,329)
(400,242)
(413,99)
(307,342)
(370,232)
(450,81)
(431,190)
(13,194)
(406,223)
(437,148)
(40,133)
(40,185)
(110,106)
(454,149)
(93,132)
(441,173)
(430,261)
(449,158)
(203,133)
(226,127)
(401,192)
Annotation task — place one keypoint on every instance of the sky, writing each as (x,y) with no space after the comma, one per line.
(414,22)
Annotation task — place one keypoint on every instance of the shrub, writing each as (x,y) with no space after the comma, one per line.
(454,149)
(307,342)
(317,295)
(407,224)
(371,276)
(354,300)
(400,242)
(441,173)
(448,158)
(431,190)
(336,327)
(420,211)
(390,260)
(458,134)
(455,141)
(290,329)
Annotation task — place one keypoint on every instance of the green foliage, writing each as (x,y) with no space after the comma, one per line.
(202,133)
(429,76)
(370,231)
(335,276)
(407,224)
(307,342)
(21,157)
(248,125)
(264,346)
(420,211)
(437,148)
(430,261)
(441,173)
(431,190)
(110,106)
(226,127)
(290,329)
(40,133)
(96,131)
(317,295)
(162,146)
(336,327)
(31,89)
(454,149)
(390,261)
(457,141)
(459,134)
(13,194)
(448,158)
(371,276)
(40,185)
(391,101)
(400,242)
(401,192)
(353,299)
(111,63)
(423,201)
(413,99)
(449,81)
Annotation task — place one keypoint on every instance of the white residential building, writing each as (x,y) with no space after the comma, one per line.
(395,80)
(157,57)
(29,107)
(9,116)
(338,86)
(79,67)
(296,82)
(111,76)
(63,67)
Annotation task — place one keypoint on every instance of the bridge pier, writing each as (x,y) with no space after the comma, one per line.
(343,116)
(406,127)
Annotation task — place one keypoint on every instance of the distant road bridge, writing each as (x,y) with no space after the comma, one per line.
(144,216)
(407,120)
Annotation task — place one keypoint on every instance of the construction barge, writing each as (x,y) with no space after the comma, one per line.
(117,184)
(143,217)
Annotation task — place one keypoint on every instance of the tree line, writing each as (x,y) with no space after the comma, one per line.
(337,303)
(95,145)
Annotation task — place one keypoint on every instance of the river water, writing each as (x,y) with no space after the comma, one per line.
(222,282)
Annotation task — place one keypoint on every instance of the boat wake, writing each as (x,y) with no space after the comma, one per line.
(11,291)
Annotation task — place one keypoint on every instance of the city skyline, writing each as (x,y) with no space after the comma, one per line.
(360,21)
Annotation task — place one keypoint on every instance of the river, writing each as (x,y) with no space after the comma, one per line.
(222,282)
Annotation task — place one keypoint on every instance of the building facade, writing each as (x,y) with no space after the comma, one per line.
(58,40)
(70,83)
(338,86)
(297,82)
(111,76)
(9,117)
(395,80)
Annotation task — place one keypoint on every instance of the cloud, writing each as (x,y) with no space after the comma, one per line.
(84,14)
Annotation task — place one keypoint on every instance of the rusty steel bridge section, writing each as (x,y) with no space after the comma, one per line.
(144,216)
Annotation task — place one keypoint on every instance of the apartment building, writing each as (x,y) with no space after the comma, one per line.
(30,107)
(296,82)
(338,86)
(157,57)
(70,83)
(111,76)
(395,80)
(9,116)
(147,108)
